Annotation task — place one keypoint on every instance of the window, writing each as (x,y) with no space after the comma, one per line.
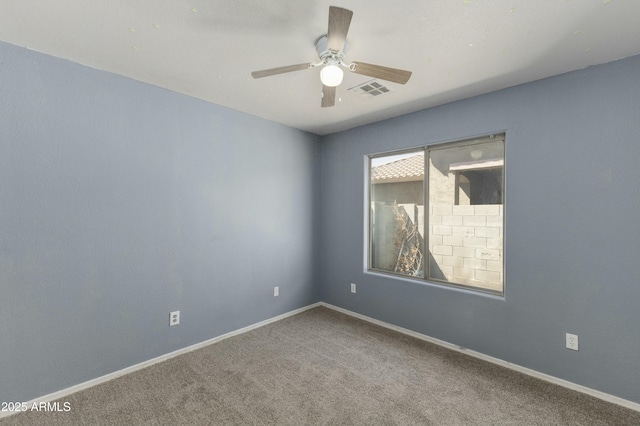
(397,213)
(456,237)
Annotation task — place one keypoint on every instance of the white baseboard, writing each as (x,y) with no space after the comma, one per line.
(533,373)
(564,383)
(90,383)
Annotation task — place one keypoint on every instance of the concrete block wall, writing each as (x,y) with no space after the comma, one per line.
(466,243)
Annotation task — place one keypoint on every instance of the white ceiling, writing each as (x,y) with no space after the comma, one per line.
(208,48)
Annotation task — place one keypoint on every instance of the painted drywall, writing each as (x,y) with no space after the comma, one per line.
(121,202)
(572,230)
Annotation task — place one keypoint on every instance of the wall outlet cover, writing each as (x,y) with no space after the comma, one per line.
(174,318)
(572,341)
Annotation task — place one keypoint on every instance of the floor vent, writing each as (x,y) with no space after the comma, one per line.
(370,89)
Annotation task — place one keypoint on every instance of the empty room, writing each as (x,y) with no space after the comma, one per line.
(291,212)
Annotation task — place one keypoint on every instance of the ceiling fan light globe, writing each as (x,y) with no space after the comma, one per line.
(331,75)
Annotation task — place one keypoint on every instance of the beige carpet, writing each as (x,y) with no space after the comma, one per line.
(325,368)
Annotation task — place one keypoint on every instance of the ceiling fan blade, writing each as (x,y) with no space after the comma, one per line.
(328,96)
(385,73)
(339,21)
(280,70)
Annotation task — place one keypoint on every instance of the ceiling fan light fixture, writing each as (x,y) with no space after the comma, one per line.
(331,75)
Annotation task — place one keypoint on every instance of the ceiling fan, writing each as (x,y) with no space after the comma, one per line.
(331,50)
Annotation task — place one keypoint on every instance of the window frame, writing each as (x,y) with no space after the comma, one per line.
(369,221)
(427,149)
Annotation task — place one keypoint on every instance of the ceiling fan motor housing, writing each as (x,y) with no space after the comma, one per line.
(329,56)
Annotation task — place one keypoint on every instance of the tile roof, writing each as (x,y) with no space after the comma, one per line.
(404,170)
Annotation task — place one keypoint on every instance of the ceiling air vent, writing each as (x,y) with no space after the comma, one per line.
(370,89)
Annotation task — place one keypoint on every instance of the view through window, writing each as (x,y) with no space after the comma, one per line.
(456,237)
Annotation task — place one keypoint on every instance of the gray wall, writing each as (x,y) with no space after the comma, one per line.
(121,202)
(399,192)
(572,231)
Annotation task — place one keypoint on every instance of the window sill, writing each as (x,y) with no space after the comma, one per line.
(437,284)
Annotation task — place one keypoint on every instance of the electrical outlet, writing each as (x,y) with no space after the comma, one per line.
(276,291)
(174,318)
(572,341)
(353,288)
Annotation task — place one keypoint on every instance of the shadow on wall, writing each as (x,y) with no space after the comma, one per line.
(434,269)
